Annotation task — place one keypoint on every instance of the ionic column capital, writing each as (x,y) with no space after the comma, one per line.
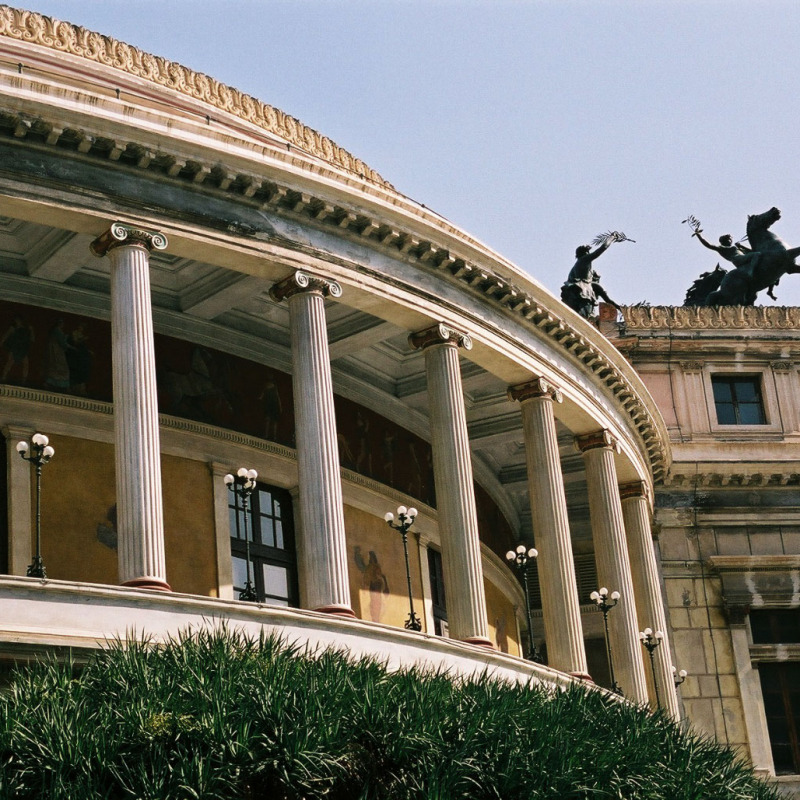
(597,439)
(121,234)
(299,282)
(439,334)
(534,388)
(634,490)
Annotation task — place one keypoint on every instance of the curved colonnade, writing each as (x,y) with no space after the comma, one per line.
(265,241)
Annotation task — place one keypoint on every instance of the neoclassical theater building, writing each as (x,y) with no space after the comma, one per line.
(194,282)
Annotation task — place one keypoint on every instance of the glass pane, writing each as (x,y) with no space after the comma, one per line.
(276,507)
(279,534)
(239,573)
(725,415)
(232,521)
(750,414)
(722,390)
(264,501)
(267,532)
(276,582)
(747,391)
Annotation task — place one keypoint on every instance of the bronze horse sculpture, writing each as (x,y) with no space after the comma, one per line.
(740,286)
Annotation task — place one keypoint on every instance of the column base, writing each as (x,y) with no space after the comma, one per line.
(147,583)
(582,676)
(481,641)
(341,611)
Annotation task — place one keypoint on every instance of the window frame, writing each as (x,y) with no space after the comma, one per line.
(731,380)
(261,553)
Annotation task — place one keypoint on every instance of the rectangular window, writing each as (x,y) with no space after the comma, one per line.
(780,685)
(775,626)
(437,593)
(273,567)
(738,400)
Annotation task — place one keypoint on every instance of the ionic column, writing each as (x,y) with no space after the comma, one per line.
(455,495)
(613,563)
(560,607)
(140,519)
(321,550)
(647,591)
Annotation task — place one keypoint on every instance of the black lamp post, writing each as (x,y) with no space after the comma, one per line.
(519,558)
(405,519)
(678,677)
(242,485)
(601,597)
(651,641)
(38,452)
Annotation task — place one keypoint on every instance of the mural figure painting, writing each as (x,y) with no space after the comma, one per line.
(582,289)
(757,267)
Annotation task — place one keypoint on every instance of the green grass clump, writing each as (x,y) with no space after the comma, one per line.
(218,716)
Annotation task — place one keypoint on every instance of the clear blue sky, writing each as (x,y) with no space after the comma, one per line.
(533,125)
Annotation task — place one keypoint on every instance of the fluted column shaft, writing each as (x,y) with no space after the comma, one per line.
(140,518)
(455,493)
(560,607)
(322,549)
(613,562)
(647,590)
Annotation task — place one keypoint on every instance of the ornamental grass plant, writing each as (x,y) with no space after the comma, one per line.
(219,716)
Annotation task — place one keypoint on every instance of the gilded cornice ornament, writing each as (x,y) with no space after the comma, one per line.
(710,318)
(299,282)
(28,26)
(439,334)
(121,234)
(533,389)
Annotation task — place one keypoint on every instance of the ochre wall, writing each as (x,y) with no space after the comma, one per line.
(78,496)
(376,563)
(189,536)
(79,517)
(502,625)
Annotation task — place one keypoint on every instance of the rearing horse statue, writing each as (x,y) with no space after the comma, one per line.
(740,286)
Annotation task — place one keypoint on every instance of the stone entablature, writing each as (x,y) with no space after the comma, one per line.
(28,26)
(722,318)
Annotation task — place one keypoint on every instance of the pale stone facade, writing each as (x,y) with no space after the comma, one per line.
(728,513)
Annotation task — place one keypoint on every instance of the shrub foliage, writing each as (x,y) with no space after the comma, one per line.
(218,716)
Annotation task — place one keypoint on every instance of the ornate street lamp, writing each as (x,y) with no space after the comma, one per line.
(242,485)
(519,558)
(601,597)
(651,641)
(678,677)
(38,452)
(405,519)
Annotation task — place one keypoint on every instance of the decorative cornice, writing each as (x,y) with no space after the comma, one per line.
(299,282)
(782,366)
(28,26)
(596,440)
(121,234)
(535,389)
(710,318)
(439,334)
(774,475)
(635,490)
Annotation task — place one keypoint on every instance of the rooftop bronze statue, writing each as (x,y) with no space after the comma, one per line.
(582,289)
(757,267)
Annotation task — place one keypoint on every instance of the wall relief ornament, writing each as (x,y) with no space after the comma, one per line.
(710,318)
(28,26)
